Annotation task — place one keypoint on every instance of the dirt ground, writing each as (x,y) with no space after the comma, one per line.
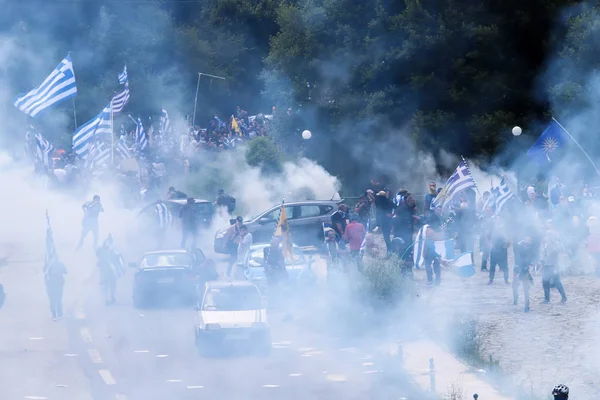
(553,343)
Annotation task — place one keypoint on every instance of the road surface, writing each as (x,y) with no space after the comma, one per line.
(117,352)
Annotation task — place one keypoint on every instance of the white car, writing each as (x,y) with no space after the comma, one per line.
(231,310)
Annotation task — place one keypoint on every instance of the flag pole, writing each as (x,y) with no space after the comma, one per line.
(74,113)
(197,89)
(578,145)
(112,135)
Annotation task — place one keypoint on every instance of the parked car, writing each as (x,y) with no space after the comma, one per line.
(305,219)
(171,272)
(232,310)
(298,267)
(205,209)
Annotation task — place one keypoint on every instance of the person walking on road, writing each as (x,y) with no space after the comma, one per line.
(243,247)
(54,277)
(91,212)
(189,222)
(111,267)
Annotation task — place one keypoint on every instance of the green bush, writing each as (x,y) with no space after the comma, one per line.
(263,153)
(385,281)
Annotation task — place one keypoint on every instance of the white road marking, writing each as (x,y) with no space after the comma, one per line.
(142,315)
(279,346)
(283,343)
(162,356)
(86,335)
(367,364)
(270,386)
(306,355)
(336,378)
(95,356)
(195,387)
(61,386)
(372,371)
(35,397)
(71,355)
(349,349)
(107,377)
(141,351)
(36,338)
(174,380)
(294,375)
(120,396)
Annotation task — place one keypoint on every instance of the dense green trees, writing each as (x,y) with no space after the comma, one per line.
(367,77)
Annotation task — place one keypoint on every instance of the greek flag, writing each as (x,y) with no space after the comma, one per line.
(123,78)
(141,140)
(122,148)
(460,180)
(163,215)
(503,194)
(120,100)
(165,124)
(463,265)
(444,248)
(59,85)
(44,150)
(51,256)
(98,155)
(84,137)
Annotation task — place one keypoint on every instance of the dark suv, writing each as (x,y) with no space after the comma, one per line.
(305,219)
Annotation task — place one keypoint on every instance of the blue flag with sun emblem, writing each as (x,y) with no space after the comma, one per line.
(552,139)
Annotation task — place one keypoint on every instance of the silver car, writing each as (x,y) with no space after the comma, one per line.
(305,220)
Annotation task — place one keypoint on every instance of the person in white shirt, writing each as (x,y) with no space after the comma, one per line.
(243,246)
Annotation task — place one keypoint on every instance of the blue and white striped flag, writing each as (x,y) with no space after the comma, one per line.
(50,257)
(44,150)
(98,155)
(84,137)
(463,265)
(503,194)
(59,85)
(444,248)
(123,78)
(141,140)
(165,124)
(460,180)
(163,216)
(122,148)
(120,100)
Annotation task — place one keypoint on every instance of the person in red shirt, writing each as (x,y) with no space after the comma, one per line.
(355,235)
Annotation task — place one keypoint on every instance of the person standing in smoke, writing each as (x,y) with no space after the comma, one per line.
(189,222)
(525,256)
(551,248)
(384,208)
(404,222)
(431,259)
(498,250)
(233,239)
(91,212)
(54,277)
(163,221)
(111,268)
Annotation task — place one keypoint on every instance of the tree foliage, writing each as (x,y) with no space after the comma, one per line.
(452,74)
(263,153)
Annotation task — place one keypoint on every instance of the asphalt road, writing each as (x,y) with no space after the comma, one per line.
(117,352)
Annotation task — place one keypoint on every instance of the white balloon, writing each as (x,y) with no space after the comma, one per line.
(306,135)
(517,130)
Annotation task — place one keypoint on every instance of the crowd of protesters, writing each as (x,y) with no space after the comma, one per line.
(549,233)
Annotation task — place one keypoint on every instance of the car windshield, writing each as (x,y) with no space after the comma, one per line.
(232,299)
(163,260)
(256,257)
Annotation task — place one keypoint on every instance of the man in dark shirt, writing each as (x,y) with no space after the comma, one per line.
(339,220)
(54,277)
(499,250)
(91,211)
(174,194)
(525,256)
(189,222)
